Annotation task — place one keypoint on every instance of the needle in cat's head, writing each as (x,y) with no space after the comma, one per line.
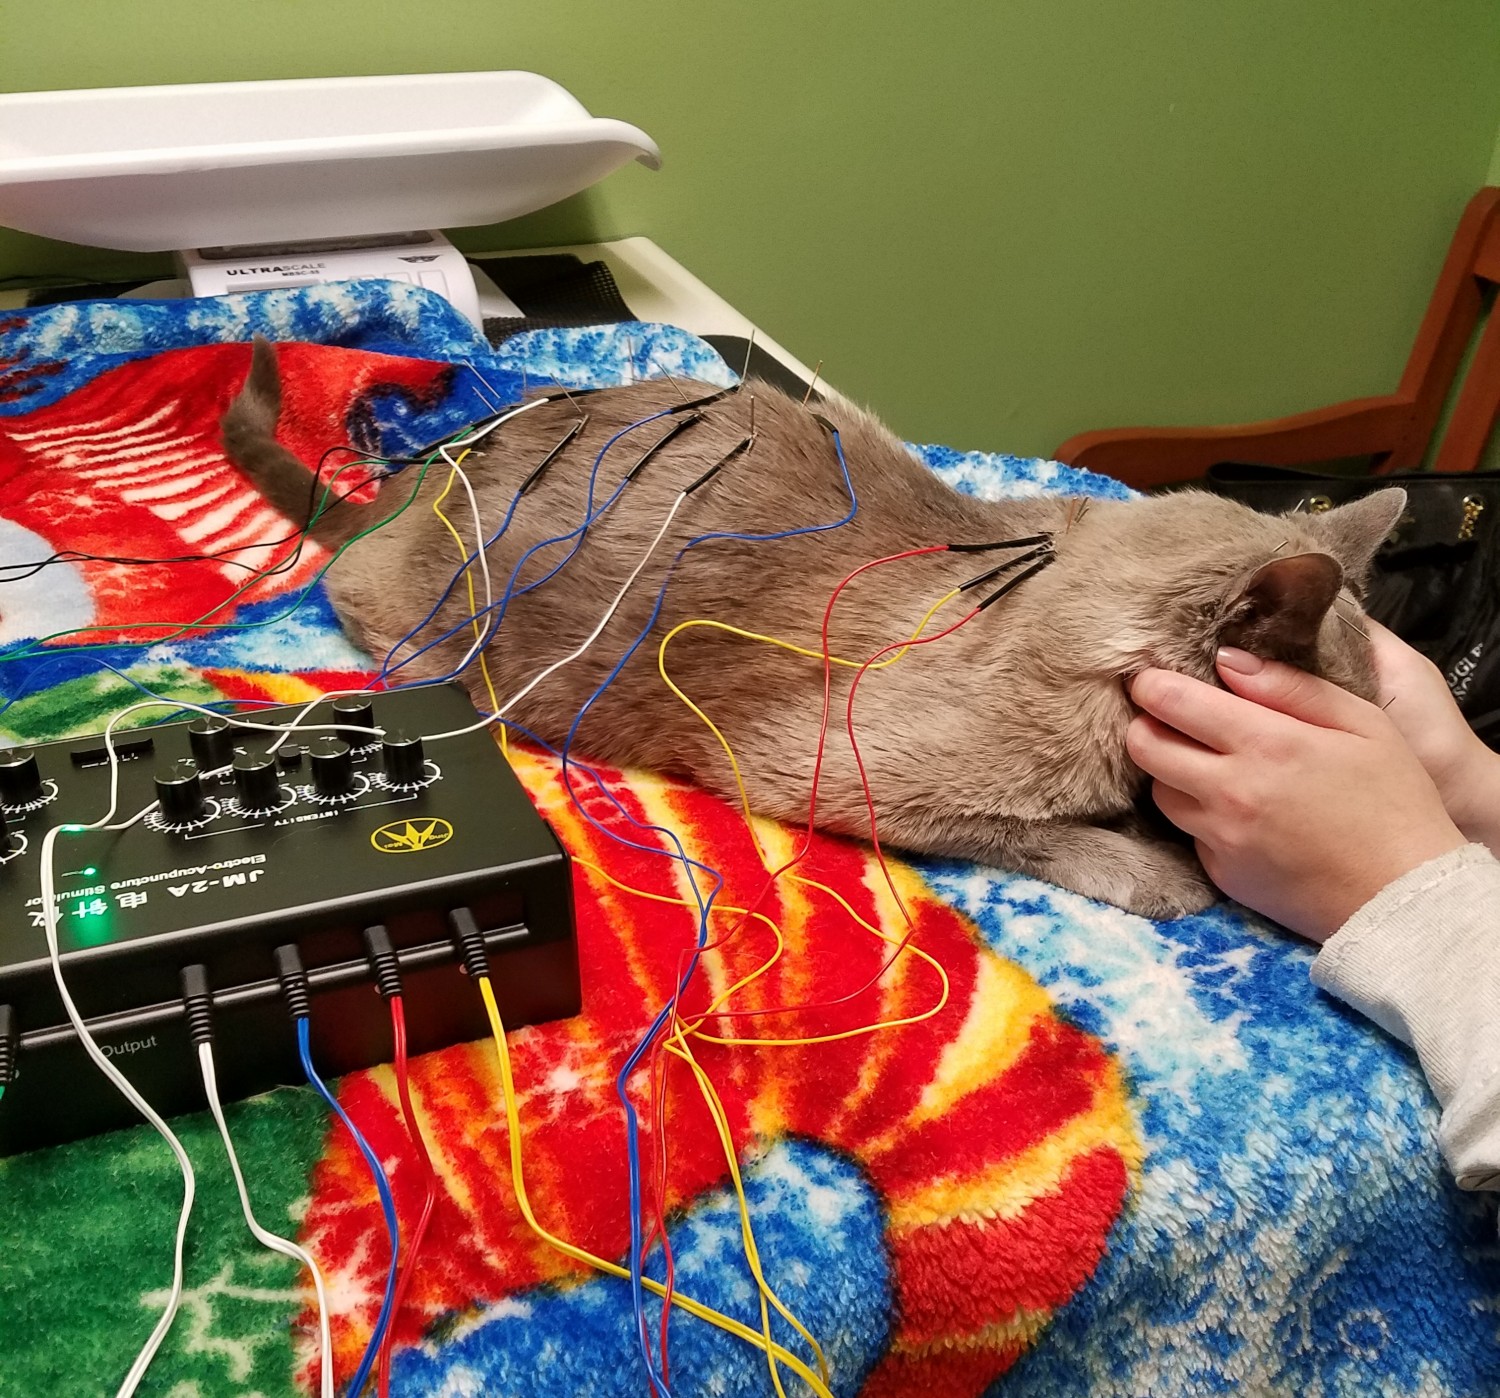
(812,383)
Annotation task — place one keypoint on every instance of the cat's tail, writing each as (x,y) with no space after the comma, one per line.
(249,436)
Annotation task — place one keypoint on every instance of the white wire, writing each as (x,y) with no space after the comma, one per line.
(500,421)
(484,564)
(121,1083)
(49,918)
(286,730)
(572,655)
(285,1246)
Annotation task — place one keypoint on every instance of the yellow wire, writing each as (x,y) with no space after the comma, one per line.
(721,1119)
(677,1040)
(716,1109)
(862,1029)
(716,1004)
(678,1044)
(463,552)
(739,780)
(717,908)
(518,1177)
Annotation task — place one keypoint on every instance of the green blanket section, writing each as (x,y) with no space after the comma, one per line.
(87,1261)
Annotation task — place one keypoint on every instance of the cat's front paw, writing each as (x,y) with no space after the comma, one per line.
(1135,872)
(1167,881)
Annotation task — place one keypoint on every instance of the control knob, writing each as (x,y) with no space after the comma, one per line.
(257,781)
(20,780)
(404,762)
(332,766)
(212,742)
(354,717)
(180,793)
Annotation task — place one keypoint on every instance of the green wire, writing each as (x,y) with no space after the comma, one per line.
(38,646)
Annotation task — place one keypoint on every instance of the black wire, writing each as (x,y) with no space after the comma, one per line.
(719,465)
(19,572)
(78,556)
(984,577)
(1027,542)
(676,429)
(1016,581)
(552,455)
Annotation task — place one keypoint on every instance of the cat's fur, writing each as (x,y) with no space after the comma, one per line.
(1004,742)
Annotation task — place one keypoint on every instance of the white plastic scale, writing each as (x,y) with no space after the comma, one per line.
(266,184)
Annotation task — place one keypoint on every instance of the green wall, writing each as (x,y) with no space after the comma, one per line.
(999,222)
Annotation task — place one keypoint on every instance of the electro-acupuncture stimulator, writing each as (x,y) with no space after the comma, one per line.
(356,866)
(248,850)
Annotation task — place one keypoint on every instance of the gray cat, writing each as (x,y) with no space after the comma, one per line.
(1003,743)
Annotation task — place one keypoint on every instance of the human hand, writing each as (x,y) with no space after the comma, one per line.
(1418,702)
(1303,801)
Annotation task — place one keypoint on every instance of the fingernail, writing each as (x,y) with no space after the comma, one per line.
(1240,661)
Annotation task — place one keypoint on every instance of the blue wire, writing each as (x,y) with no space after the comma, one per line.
(632,1124)
(509,595)
(590,517)
(387,1205)
(704,905)
(386,668)
(603,787)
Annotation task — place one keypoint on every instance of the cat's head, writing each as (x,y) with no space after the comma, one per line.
(1201,572)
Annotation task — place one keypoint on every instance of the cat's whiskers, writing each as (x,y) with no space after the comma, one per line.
(1279,547)
(749,350)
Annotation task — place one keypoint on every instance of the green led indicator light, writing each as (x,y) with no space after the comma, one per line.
(89,872)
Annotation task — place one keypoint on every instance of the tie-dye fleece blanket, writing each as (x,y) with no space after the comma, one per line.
(1117,1158)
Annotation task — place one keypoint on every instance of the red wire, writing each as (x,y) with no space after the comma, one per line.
(874,840)
(409,1263)
(807,839)
(657,1051)
(885,966)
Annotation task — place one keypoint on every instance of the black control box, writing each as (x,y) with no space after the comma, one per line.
(248,849)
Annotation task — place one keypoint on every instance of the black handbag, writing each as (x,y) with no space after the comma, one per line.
(1436,579)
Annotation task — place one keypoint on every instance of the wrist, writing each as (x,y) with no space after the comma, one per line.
(1473,796)
(1381,865)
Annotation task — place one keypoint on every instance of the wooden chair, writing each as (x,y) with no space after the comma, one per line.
(1394,430)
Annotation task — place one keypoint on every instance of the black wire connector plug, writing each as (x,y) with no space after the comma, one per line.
(471,948)
(293,981)
(383,960)
(199,1001)
(8,1044)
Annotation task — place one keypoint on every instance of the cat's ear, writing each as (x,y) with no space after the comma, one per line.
(1279,609)
(1354,532)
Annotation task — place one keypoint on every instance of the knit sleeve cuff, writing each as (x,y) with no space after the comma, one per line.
(1407,959)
